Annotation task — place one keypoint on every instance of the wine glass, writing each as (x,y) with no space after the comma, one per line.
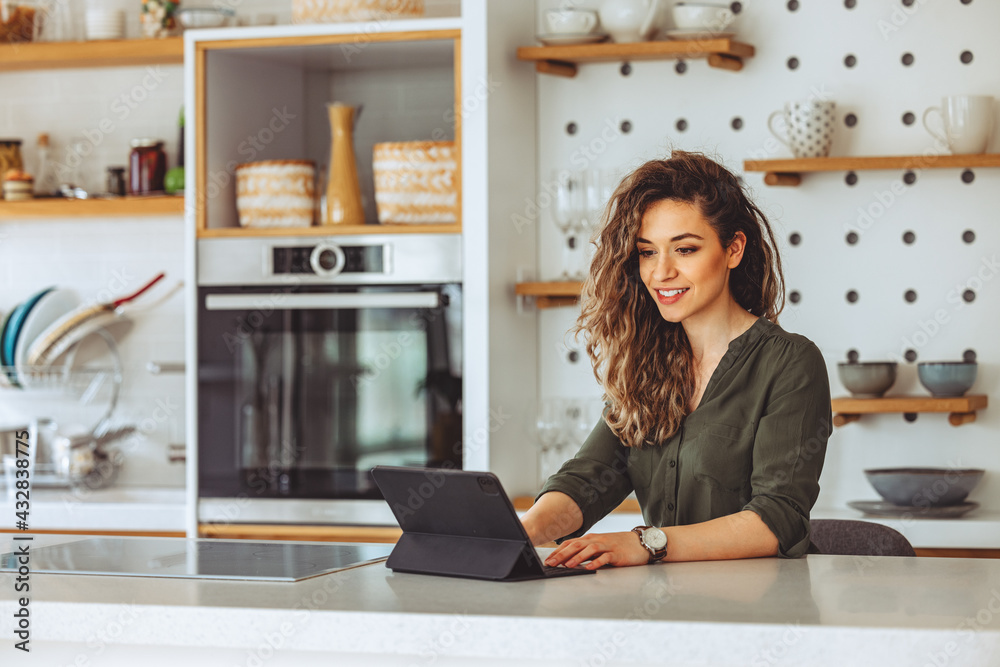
(569,204)
(549,429)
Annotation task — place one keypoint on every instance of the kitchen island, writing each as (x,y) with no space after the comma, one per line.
(819,610)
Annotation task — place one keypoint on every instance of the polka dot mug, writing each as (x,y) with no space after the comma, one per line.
(809,127)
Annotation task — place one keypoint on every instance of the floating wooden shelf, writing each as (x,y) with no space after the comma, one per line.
(961,409)
(69,208)
(789,172)
(109,53)
(723,53)
(551,295)
(327,230)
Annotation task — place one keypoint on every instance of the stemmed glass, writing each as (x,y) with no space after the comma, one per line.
(549,428)
(569,205)
(598,186)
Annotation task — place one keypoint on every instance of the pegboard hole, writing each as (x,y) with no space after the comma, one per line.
(625,69)
(795,238)
(793,5)
(573,356)
(737,123)
(907,59)
(969,236)
(966,57)
(969,356)
(910,355)
(681,125)
(909,118)
(736,7)
(909,178)
(852,238)
(850,4)
(910,296)
(850,60)
(793,63)
(626,126)
(852,296)
(850,120)
(571,128)
(909,237)
(680,67)
(968,176)
(794,296)
(968,296)
(851,178)
(910,416)
(852,356)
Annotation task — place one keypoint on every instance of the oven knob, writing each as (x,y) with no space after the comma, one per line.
(327,259)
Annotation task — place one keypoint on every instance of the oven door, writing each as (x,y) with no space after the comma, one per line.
(302,392)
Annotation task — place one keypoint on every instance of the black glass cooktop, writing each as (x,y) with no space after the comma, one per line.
(198,559)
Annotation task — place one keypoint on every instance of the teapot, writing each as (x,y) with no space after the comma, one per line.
(629,20)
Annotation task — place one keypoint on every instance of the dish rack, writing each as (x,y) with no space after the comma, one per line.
(61,460)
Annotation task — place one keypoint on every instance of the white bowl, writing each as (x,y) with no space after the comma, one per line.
(711,18)
(204,17)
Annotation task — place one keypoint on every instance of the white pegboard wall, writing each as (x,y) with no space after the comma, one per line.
(879,90)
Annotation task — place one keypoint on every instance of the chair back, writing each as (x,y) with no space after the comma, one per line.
(858,538)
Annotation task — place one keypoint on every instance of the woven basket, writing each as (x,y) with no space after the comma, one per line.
(331,11)
(276,193)
(416,182)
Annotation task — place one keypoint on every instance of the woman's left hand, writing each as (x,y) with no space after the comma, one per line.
(618,549)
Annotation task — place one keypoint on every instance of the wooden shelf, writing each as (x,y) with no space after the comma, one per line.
(327,230)
(961,409)
(108,53)
(308,533)
(789,172)
(552,294)
(723,53)
(68,208)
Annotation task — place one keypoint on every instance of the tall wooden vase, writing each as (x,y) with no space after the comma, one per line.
(343,192)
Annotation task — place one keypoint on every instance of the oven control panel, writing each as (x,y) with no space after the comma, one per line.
(327,259)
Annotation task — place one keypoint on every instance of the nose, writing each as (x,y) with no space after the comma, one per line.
(664,270)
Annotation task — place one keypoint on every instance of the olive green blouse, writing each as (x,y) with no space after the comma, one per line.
(755,442)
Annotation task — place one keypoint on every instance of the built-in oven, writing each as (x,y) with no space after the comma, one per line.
(319,359)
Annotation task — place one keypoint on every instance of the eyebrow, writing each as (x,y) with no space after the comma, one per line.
(679,237)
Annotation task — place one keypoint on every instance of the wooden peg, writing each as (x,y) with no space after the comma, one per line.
(722,61)
(777,178)
(844,419)
(556,67)
(959,418)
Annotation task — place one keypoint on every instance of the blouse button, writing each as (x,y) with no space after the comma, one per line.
(670,506)
(673,464)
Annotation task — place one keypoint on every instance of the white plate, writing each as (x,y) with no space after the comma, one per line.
(49,308)
(572,38)
(697,34)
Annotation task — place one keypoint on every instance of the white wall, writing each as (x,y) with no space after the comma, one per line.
(938,208)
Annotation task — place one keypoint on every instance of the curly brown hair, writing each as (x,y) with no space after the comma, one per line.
(643,362)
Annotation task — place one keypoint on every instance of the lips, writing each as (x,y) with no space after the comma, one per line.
(669,296)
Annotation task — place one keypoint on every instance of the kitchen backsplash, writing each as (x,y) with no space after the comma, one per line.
(883,63)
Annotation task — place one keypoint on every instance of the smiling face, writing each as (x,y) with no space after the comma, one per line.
(683,264)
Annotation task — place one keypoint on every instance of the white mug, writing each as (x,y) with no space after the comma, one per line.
(570,21)
(967,121)
(809,125)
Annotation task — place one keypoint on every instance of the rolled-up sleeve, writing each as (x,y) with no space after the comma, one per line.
(790,447)
(596,478)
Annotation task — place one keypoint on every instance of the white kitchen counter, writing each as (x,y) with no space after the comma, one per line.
(820,610)
(113,509)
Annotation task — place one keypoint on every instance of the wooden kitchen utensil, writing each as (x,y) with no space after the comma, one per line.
(343,193)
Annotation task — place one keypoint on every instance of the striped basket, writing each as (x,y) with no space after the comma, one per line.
(416,182)
(276,193)
(327,11)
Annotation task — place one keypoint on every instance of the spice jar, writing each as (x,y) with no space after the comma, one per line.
(10,157)
(147,166)
(116,181)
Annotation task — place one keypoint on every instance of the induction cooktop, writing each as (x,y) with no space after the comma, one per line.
(198,559)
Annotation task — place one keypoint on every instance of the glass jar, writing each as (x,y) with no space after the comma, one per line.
(116,181)
(147,166)
(10,157)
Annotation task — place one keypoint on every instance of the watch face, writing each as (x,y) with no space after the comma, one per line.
(654,538)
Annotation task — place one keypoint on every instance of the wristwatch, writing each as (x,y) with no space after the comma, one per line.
(653,540)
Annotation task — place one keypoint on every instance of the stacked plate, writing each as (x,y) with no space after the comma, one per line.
(103,23)
(24,324)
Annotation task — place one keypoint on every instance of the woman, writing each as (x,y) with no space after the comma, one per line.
(716,417)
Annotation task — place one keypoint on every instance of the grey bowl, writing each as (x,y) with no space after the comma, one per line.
(924,487)
(947,378)
(868,379)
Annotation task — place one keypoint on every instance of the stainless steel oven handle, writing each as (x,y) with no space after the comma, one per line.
(278,301)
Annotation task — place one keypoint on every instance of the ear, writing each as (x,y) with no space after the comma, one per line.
(735,250)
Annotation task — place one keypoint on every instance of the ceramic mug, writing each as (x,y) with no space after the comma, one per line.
(630,20)
(570,21)
(967,122)
(809,125)
(709,18)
